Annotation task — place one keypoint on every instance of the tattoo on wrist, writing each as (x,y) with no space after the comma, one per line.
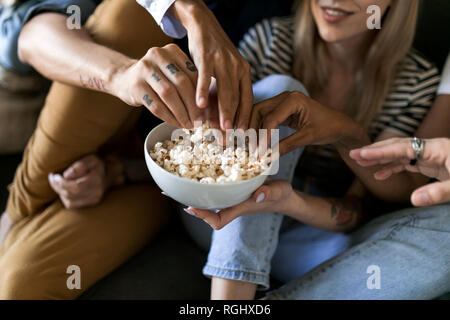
(147,100)
(156,77)
(172,68)
(346,211)
(92,83)
(190,67)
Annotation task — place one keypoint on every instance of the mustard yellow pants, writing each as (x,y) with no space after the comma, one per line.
(46,238)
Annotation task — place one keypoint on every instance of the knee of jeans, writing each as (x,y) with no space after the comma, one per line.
(249,242)
(435,217)
(275,84)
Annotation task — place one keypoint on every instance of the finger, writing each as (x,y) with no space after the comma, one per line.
(89,183)
(65,187)
(212,110)
(182,60)
(81,167)
(388,152)
(261,109)
(157,107)
(179,73)
(246,102)
(209,217)
(366,163)
(431,194)
(56,187)
(220,219)
(212,114)
(388,171)
(168,92)
(299,139)
(228,97)
(204,80)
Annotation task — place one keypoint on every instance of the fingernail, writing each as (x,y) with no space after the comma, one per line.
(421,198)
(201,102)
(190,212)
(228,125)
(260,197)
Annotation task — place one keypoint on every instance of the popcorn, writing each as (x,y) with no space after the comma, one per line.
(200,158)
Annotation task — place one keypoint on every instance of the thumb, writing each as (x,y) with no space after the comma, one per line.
(272,190)
(431,194)
(262,194)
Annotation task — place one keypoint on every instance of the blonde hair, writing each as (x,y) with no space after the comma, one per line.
(388,49)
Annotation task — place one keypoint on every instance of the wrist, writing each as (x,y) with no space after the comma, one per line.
(294,204)
(188,12)
(353,136)
(116,75)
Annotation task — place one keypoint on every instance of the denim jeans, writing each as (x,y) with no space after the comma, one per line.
(402,255)
(407,251)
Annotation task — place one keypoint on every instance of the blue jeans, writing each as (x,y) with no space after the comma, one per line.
(407,249)
(402,255)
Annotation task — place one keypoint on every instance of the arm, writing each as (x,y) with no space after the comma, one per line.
(316,125)
(163,79)
(68,56)
(278,196)
(436,124)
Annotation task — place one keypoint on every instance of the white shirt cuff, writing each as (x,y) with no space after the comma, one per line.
(444,87)
(158,9)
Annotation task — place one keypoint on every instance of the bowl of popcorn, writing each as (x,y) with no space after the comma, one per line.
(191,167)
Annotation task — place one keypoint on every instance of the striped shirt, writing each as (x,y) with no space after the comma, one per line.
(268,47)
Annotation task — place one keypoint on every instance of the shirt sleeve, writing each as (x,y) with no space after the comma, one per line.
(252,47)
(444,87)
(158,9)
(12,20)
(422,93)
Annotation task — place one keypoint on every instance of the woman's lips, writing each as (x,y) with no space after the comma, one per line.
(334,15)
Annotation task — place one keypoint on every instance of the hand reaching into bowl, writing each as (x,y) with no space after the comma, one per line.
(395,154)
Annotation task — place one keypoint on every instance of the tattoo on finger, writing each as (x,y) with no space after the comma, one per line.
(156,77)
(190,66)
(172,68)
(147,100)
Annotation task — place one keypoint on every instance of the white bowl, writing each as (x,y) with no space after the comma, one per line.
(193,193)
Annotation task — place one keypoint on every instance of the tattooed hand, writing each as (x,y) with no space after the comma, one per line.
(164,81)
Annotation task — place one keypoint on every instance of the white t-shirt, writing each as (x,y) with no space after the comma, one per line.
(444,87)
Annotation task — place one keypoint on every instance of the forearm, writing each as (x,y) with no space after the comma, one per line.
(436,124)
(397,188)
(69,56)
(339,215)
(185,11)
